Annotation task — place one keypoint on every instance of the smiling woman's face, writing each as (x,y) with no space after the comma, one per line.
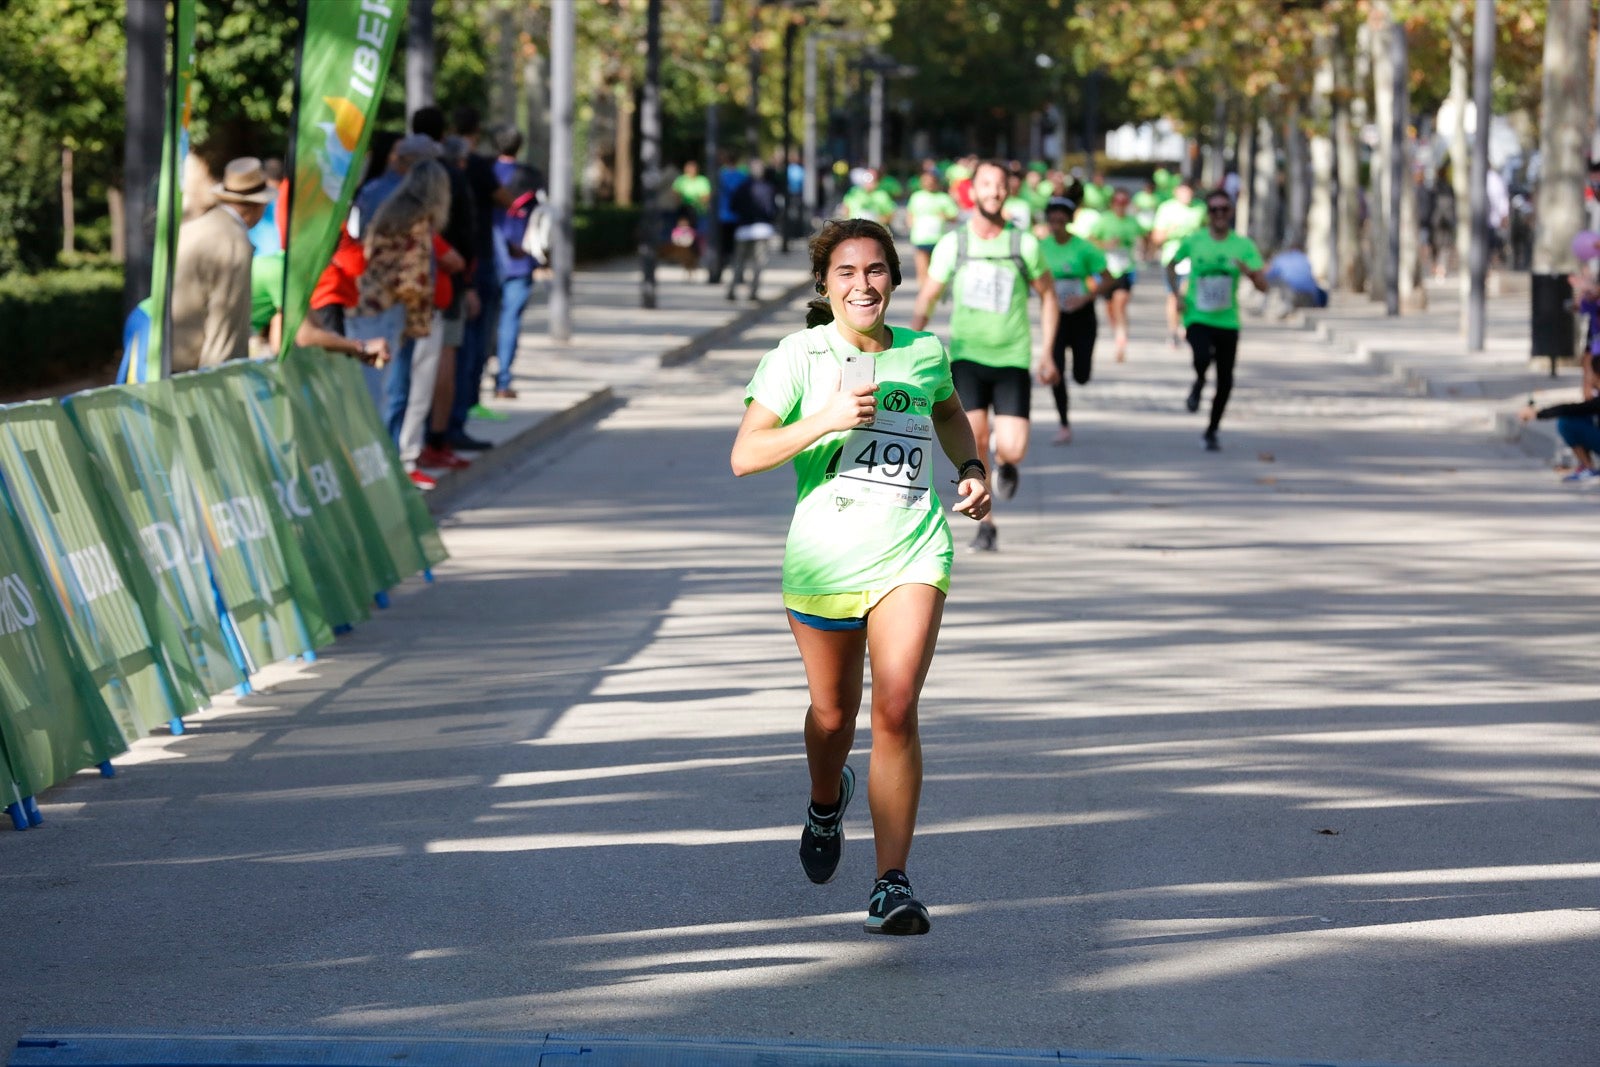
(858,284)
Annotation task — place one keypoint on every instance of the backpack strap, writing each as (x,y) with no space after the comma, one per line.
(1016,254)
(961,250)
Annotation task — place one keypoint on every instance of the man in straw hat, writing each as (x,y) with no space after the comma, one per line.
(211,282)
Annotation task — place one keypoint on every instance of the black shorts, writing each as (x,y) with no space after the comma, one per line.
(1008,390)
(1124,282)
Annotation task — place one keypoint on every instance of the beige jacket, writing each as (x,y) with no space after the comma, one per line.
(211,292)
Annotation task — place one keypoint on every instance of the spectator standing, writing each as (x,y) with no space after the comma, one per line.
(211,279)
(400,273)
(693,190)
(755,208)
(729,178)
(489,200)
(525,187)
(1291,279)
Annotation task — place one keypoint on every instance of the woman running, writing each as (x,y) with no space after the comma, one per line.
(1118,233)
(1080,273)
(867,563)
(1217,257)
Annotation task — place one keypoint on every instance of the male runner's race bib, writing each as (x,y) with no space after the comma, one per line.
(889,462)
(987,286)
(1118,262)
(1068,288)
(1214,292)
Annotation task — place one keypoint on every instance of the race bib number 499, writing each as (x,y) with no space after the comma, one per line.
(1214,292)
(987,287)
(889,462)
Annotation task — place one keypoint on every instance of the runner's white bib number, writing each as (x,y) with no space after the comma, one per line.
(1214,292)
(889,462)
(987,286)
(1069,288)
(1118,262)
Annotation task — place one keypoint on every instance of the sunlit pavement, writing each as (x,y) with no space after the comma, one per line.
(1287,751)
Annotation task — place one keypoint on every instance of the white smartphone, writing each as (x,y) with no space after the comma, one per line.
(860,368)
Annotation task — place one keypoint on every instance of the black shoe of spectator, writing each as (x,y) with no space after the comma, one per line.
(464,442)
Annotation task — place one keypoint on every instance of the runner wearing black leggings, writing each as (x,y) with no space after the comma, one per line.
(1217,257)
(1080,273)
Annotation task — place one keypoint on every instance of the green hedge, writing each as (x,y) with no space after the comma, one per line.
(605,231)
(59,326)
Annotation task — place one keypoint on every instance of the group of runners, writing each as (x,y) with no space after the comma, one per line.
(856,407)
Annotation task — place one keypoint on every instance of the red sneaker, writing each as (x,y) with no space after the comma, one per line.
(423,481)
(442,458)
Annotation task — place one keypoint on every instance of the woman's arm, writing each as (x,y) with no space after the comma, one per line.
(955,437)
(764,443)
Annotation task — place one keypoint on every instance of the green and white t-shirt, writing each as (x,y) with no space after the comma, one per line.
(989,320)
(1177,220)
(929,213)
(865,512)
(1122,233)
(1211,297)
(1071,266)
(874,204)
(1084,222)
(1017,211)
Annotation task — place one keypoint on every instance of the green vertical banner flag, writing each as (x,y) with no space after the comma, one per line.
(169,197)
(259,569)
(117,621)
(345,49)
(132,431)
(53,721)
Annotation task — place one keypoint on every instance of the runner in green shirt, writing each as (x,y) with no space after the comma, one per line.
(858,407)
(1118,233)
(989,266)
(929,213)
(869,201)
(1217,257)
(1176,219)
(1079,273)
(694,191)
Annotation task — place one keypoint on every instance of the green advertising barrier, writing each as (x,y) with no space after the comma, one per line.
(53,722)
(334,386)
(133,433)
(312,495)
(132,646)
(259,569)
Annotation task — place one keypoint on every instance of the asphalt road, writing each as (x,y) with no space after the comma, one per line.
(1285,751)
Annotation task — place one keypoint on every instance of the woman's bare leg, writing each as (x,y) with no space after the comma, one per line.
(901,633)
(834,661)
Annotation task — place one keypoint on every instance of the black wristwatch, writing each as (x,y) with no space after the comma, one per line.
(983,472)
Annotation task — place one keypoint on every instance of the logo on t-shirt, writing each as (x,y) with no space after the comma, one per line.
(897,400)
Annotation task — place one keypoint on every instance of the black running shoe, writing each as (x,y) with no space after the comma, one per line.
(1005,481)
(985,539)
(893,909)
(822,840)
(1193,403)
(1209,441)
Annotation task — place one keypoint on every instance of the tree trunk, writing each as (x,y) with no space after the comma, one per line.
(1319,219)
(1403,253)
(1349,109)
(1378,183)
(1563,137)
(503,85)
(1245,208)
(1460,152)
(535,119)
(69,218)
(1263,224)
(624,169)
(115,208)
(1297,192)
(420,63)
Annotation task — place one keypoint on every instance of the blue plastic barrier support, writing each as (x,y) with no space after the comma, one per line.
(30,808)
(427,574)
(107,770)
(243,689)
(175,724)
(381,598)
(19,818)
(342,629)
(310,656)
